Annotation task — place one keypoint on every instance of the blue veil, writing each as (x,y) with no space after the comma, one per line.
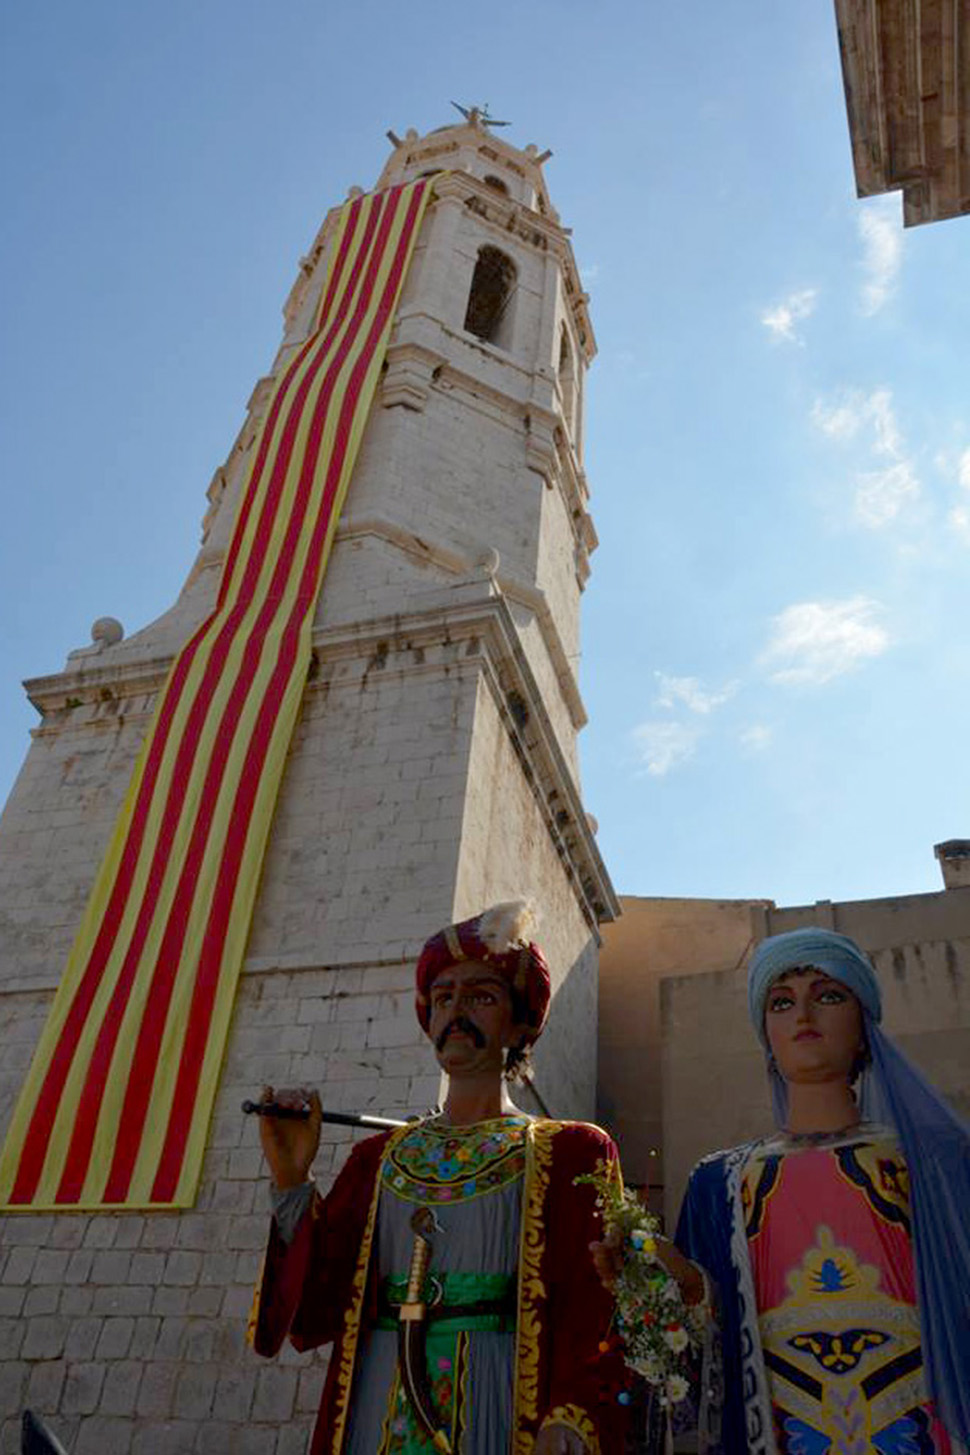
(935,1143)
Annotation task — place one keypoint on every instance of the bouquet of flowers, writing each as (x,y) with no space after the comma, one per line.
(659,1332)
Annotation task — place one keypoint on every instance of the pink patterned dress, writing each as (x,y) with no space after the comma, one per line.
(828,1229)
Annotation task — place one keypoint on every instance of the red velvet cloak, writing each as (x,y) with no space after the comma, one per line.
(322,1287)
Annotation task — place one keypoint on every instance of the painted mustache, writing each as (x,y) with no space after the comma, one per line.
(460,1023)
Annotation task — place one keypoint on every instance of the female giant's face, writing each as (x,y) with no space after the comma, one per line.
(814,1027)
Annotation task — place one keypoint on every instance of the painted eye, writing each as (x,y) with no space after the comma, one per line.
(831,996)
(780,1002)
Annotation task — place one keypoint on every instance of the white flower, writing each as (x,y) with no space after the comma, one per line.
(677,1388)
(676,1339)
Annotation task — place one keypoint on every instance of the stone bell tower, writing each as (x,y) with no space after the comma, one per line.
(433,772)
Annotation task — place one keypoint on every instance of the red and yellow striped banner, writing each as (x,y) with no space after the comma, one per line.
(117,1102)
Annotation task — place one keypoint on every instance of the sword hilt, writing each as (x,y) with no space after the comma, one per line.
(423,1224)
(410,1331)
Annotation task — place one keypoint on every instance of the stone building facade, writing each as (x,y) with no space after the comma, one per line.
(907,96)
(433,772)
(681,1073)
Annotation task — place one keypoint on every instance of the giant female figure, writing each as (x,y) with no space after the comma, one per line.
(837,1251)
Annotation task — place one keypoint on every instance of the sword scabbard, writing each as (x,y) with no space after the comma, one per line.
(410,1334)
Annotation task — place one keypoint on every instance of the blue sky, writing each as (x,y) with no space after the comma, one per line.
(778,434)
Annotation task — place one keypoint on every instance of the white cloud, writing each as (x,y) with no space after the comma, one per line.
(888,440)
(963,470)
(662,745)
(781,320)
(881,494)
(691,693)
(880,228)
(959,516)
(756,738)
(840,421)
(848,413)
(589,272)
(814,641)
(959,519)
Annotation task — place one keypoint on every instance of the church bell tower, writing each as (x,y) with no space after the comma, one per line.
(432,772)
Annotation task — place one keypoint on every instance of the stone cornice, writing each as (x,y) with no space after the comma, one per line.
(93,677)
(907,93)
(473,611)
(476,614)
(528,596)
(102,678)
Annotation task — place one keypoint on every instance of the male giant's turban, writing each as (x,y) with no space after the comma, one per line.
(500,939)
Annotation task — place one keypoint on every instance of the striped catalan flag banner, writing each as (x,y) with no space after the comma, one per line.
(117,1103)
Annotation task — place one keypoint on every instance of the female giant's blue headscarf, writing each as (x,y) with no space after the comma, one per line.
(935,1143)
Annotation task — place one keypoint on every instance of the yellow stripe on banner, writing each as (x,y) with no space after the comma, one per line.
(97,904)
(164,1084)
(164,1081)
(259,614)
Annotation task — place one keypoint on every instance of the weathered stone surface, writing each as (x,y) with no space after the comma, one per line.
(43,1338)
(157,1390)
(275,1394)
(44,1385)
(115,1339)
(195,1390)
(82,1388)
(103,1434)
(120,1393)
(42,1300)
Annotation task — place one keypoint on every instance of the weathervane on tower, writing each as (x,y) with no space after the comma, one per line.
(478,115)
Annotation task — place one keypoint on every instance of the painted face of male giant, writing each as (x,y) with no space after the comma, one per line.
(482,981)
(472,1020)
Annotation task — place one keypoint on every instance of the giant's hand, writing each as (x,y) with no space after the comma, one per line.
(290,1144)
(608,1260)
(560,1440)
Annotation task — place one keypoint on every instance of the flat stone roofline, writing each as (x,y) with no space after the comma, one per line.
(907,93)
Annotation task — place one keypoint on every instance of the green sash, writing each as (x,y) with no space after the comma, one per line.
(446,1350)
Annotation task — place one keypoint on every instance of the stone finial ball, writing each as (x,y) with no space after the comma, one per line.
(107,630)
(592,823)
(490,560)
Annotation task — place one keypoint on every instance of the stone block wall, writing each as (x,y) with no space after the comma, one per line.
(506,852)
(126,1332)
(56,826)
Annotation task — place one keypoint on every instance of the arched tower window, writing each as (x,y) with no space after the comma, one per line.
(496,182)
(490,302)
(567,378)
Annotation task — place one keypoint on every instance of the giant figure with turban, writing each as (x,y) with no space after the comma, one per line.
(448,1262)
(837,1249)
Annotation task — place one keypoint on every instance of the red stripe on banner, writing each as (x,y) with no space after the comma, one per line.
(36,1142)
(153,1021)
(163,976)
(239,529)
(38,1135)
(207,978)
